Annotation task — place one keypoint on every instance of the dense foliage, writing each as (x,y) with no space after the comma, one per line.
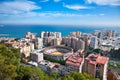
(53,60)
(9,62)
(30,73)
(91,51)
(77,76)
(10,69)
(114,65)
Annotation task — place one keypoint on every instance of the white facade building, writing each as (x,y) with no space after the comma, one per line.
(94,42)
(36,55)
(50,34)
(42,34)
(39,43)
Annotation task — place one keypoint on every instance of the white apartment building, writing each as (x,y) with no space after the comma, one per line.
(36,55)
(94,42)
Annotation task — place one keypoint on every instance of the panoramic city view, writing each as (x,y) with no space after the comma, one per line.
(59,39)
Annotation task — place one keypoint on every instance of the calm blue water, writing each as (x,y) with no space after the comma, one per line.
(19,31)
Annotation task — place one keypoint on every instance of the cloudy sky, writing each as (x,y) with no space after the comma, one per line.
(67,12)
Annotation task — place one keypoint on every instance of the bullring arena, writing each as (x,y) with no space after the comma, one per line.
(58,52)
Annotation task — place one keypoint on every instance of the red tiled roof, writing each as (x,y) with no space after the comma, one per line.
(102,60)
(74,60)
(97,59)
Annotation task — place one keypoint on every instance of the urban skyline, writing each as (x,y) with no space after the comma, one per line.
(79,52)
(59,39)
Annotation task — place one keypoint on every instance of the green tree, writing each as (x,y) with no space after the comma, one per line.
(37,74)
(9,62)
(53,60)
(46,77)
(12,55)
(26,71)
(6,71)
(96,50)
(67,77)
(82,76)
(30,73)
(3,49)
(54,75)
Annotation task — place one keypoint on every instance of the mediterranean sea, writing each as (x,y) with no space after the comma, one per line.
(18,31)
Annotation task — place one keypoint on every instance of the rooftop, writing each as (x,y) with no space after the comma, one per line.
(97,59)
(74,60)
(36,51)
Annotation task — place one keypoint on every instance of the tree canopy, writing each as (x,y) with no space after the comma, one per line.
(77,76)
(9,62)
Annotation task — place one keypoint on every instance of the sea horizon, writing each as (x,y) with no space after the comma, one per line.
(19,30)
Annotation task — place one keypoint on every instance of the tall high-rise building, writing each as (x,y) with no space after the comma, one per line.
(42,34)
(113,33)
(94,42)
(78,34)
(74,42)
(99,35)
(58,35)
(109,33)
(106,34)
(56,41)
(86,39)
(50,34)
(39,43)
(68,41)
(30,35)
(96,65)
(96,32)
(75,34)
(63,40)
(27,35)
(80,45)
(45,41)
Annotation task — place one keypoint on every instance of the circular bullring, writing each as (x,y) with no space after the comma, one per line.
(58,52)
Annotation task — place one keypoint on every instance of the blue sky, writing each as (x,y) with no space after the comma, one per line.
(66,12)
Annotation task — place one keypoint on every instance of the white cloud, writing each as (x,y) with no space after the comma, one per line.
(58,18)
(16,7)
(105,2)
(57,0)
(44,0)
(101,14)
(49,14)
(59,14)
(76,7)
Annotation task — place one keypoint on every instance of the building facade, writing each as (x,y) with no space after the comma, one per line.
(96,65)
(39,43)
(94,42)
(75,63)
(30,35)
(36,55)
